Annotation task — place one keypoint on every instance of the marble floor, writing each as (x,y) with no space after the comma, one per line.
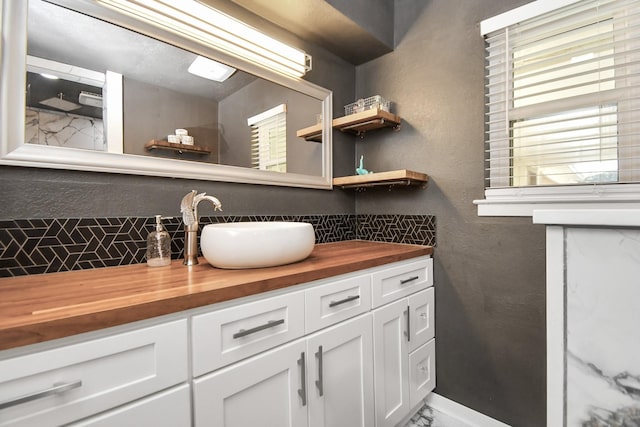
(430,417)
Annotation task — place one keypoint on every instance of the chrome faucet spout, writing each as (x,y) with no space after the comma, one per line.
(217,206)
(191,219)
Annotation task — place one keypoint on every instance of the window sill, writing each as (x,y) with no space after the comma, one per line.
(523,201)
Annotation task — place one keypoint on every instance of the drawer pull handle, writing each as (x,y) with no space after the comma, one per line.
(342,301)
(410,279)
(58,388)
(270,324)
(302,391)
(320,381)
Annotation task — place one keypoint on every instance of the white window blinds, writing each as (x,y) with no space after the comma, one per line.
(563,97)
(269,139)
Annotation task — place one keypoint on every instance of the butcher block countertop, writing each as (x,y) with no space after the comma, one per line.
(43,307)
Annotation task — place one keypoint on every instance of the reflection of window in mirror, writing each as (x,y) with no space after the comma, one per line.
(64,105)
(269,139)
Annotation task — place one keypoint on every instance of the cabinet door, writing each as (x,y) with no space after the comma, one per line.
(421,318)
(267,390)
(422,372)
(390,356)
(341,375)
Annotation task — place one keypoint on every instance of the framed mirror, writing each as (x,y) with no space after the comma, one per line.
(94,89)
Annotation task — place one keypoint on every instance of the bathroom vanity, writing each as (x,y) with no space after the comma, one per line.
(345,337)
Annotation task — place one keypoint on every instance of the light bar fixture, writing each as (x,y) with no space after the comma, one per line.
(199,22)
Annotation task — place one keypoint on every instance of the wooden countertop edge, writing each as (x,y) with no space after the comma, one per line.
(49,329)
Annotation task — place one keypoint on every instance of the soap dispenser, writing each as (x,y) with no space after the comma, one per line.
(159,245)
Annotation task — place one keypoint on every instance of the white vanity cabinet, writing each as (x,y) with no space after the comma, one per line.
(355,367)
(325,379)
(65,384)
(322,379)
(404,344)
(329,353)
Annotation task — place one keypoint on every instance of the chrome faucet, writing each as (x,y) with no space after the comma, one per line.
(189,209)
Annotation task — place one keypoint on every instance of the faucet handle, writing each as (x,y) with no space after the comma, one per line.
(187,208)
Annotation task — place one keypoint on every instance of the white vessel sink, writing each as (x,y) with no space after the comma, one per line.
(256,244)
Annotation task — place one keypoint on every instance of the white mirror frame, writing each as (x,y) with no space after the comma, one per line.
(15,152)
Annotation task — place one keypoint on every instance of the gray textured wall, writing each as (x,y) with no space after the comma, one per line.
(375,16)
(48,193)
(489,272)
(153,112)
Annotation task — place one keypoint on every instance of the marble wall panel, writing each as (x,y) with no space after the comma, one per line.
(64,130)
(603,339)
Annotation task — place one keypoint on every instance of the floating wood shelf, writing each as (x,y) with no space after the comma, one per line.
(372,119)
(311,133)
(401,177)
(164,145)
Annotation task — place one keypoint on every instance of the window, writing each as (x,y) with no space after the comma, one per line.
(269,139)
(563,99)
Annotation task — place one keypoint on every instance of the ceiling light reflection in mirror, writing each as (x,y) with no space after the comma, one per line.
(210,69)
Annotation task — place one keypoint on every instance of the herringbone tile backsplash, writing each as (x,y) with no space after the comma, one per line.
(35,246)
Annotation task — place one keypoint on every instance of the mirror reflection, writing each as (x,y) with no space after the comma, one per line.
(61,112)
(97,86)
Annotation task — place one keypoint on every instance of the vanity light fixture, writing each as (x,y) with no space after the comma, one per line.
(201,23)
(210,69)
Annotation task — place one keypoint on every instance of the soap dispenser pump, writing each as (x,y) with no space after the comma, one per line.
(159,245)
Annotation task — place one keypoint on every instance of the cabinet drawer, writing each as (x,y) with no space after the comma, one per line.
(337,301)
(167,409)
(225,336)
(402,280)
(422,319)
(93,376)
(422,372)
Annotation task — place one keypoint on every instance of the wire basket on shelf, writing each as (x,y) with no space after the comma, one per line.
(372,102)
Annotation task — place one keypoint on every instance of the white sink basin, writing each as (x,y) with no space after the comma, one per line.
(256,244)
